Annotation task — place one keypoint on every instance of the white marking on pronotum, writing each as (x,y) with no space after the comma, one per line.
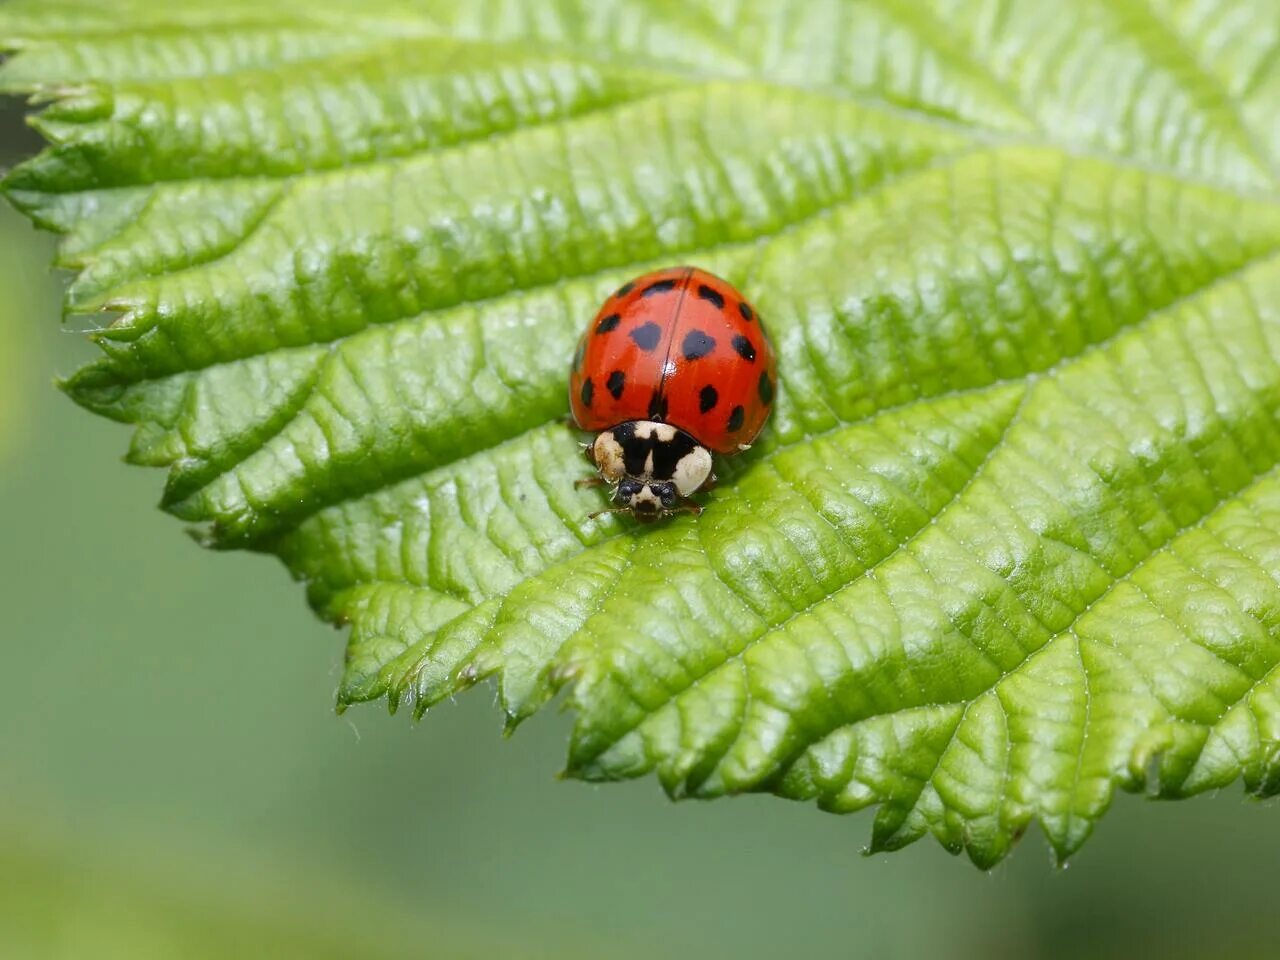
(692,471)
(662,432)
(607,453)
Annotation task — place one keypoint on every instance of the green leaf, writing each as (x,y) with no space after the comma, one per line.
(1012,538)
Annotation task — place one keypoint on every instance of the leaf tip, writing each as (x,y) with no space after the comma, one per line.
(468,676)
(91,388)
(69,103)
(566,672)
(204,536)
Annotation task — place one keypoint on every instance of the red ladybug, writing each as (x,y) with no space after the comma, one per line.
(674,366)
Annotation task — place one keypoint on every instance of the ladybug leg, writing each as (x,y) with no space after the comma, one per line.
(595,480)
(709,484)
(687,507)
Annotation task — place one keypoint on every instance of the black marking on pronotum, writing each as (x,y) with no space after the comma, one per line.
(634,450)
(617,380)
(658,406)
(646,336)
(735,419)
(744,348)
(697,344)
(766,388)
(707,399)
(710,295)
(623,290)
(658,286)
(588,390)
(667,455)
(608,323)
(748,314)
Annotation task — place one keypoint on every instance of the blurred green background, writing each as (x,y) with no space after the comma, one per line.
(174,782)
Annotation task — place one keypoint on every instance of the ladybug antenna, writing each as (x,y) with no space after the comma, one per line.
(693,508)
(601,513)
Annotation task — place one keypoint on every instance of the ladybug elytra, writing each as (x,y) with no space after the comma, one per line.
(675,366)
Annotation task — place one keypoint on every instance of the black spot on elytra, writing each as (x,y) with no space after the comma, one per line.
(658,286)
(735,419)
(623,290)
(588,391)
(647,336)
(711,296)
(766,388)
(744,348)
(608,323)
(697,344)
(617,380)
(748,314)
(657,406)
(707,398)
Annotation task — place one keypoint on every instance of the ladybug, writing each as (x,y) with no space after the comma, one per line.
(675,367)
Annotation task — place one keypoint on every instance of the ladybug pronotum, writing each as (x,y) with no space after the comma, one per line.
(676,366)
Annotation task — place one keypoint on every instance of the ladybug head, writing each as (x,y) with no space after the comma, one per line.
(649,499)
